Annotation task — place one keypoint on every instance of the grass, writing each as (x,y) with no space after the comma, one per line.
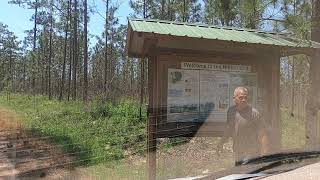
(293,130)
(100,131)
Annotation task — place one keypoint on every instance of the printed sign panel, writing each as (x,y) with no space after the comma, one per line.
(214,95)
(205,95)
(183,95)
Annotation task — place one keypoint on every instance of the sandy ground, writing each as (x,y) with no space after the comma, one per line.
(26,156)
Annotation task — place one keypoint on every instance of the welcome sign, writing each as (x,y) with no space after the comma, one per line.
(217,67)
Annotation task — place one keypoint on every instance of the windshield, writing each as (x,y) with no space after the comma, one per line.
(105,89)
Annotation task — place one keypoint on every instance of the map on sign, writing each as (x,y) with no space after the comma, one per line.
(183,95)
(197,95)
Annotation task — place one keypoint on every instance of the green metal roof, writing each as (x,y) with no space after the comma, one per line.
(218,33)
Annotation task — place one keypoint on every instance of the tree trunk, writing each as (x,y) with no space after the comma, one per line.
(111,68)
(42,65)
(65,53)
(70,68)
(70,54)
(106,50)
(293,86)
(85,93)
(34,47)
(50,53)
(163,2)
(144,9)
(169,11)
(184,11)
(75,49)
(10,75)
(131,78)
(24,76)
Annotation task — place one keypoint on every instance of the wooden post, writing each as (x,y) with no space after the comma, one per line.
(275,101)
(152,119)
(269,82)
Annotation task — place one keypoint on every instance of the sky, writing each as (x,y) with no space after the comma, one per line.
(18,18)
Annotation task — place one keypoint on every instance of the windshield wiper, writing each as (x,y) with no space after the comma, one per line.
(280,157)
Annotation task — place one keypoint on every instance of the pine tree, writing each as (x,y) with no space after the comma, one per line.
(221,12)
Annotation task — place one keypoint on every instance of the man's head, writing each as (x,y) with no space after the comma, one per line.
(240,97)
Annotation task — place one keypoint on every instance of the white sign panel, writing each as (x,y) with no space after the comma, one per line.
(214,95)
(205,95)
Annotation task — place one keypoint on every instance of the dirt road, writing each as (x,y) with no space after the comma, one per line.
(24,154)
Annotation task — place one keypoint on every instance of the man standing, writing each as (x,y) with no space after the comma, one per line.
(246,128)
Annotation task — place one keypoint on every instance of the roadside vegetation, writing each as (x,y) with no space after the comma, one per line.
(95,132)
(293,130)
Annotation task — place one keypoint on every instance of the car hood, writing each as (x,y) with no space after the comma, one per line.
(306,172)
(300,169)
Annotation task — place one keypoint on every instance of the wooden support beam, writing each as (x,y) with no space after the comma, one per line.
(152,118)
(268,68)
(275,102)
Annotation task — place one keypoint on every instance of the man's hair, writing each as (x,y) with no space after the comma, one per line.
(239,89)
